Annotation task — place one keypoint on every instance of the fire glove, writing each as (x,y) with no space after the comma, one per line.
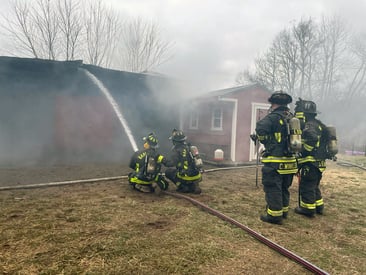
(254,137)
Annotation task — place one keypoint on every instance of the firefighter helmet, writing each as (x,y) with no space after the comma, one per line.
(178,136)
(305,106)
(152,140)
(280,98)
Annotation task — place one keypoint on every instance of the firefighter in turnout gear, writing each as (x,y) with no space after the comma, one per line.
(185,174)
(279,163)
(312,160)
(146,163)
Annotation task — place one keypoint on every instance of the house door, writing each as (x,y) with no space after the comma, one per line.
(259,111)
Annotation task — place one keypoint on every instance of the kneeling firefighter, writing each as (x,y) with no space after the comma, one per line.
(279,163)
(146,163)
(318,145)
(186,175)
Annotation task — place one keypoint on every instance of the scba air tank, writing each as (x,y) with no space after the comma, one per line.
(151,165)
(332,140)
(295,135)
(196,155)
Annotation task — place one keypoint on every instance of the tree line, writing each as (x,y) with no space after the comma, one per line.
(324,61)
(84,29)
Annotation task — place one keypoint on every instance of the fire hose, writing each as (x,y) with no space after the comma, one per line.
(259,237)
(311,267)
(347,163)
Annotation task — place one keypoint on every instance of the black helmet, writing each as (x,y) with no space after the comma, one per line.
(178,136)
(152,140)
(280,98)
(305,106)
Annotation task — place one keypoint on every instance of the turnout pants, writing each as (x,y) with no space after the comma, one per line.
(310,197)
(276,191)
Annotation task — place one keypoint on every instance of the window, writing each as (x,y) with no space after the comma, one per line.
(216,119)
(193,122)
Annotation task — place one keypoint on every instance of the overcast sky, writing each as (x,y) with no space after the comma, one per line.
(216,39)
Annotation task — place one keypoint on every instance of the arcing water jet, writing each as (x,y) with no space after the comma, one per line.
(115,106)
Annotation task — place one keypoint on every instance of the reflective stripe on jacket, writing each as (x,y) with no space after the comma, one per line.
(284,165)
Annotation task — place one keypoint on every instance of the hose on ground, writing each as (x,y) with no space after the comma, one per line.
(269,243)
(347,163)
(58,183)
(212,211)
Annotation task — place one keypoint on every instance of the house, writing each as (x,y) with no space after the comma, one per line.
(221,121)
(56,112)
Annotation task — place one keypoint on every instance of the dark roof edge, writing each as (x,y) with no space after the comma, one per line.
(233,90)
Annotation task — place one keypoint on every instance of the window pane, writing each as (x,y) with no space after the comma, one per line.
(217,119)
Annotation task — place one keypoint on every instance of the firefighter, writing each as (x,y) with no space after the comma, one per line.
(183,172)
(146,163)
(312,160)
(279,164)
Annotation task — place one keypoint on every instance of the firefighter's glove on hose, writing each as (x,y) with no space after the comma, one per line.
(254,137)
(163,185)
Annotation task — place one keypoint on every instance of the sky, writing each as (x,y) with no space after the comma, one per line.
(214,40)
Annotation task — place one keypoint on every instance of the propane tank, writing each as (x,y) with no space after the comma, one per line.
(196,156)
(218,155)
(332,141)
(151,165)
(295,135)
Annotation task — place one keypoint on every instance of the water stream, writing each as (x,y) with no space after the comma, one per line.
(115,106)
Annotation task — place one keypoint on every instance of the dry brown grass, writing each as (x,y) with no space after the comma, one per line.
(106,228)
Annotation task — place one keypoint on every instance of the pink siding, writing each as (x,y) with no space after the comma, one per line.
(84,122)
(209,140)
(245,100)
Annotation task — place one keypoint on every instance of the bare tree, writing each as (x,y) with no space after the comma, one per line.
(36,29)
(21,29)
(305,60)
(287,50)
(266,71)
(69,16)
(245,77)
(102,30)
(48,27)
(142,47)
(90,30)
(357,84)
(305,35)
(333,37)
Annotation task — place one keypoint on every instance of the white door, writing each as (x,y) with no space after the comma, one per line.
(259,111)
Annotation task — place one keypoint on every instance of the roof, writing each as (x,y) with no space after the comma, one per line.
(233,90)
(36,65)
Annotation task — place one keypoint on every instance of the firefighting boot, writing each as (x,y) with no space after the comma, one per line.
(144,188)
(183,188)
(271,219)
(320,209)
(196,188)
(306,212)
(284,215)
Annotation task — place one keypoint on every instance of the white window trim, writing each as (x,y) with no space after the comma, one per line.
(213,119)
